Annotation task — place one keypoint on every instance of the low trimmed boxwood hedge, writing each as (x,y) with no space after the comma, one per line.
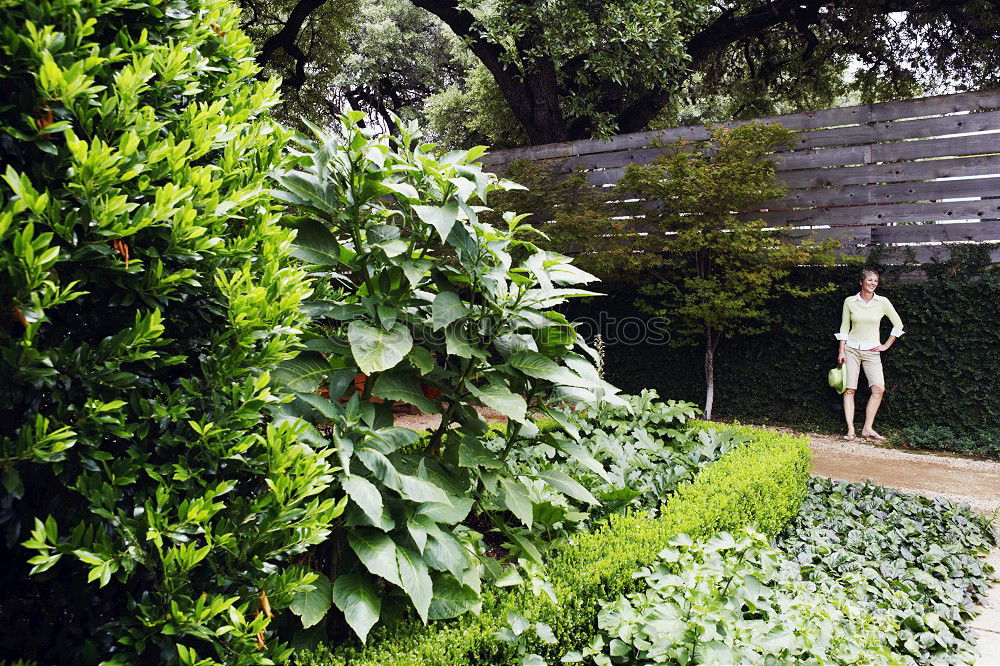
(762,483)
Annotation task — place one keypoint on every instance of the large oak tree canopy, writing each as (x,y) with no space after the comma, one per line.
(573,69)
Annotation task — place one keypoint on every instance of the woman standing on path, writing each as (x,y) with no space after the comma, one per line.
(860,348)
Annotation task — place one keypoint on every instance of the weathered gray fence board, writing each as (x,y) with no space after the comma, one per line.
(825,118)
(876,214)
(893,173)
(940,233)
(821,157)
(891,193)
(898,130)
(812,179)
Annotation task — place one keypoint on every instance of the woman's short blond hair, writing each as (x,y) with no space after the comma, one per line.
(865,273)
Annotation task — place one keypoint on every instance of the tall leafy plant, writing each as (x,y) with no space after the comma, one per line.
(146,293)
(434,307)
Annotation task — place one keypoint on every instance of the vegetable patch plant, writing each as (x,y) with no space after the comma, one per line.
(432,306)
(733,600)
(914,559)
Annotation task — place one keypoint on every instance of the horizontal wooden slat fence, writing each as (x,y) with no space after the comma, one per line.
(922,174)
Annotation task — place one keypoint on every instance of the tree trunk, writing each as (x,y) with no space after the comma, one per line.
(711,342)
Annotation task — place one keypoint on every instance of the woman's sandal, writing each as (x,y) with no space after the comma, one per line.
(850,438)
(877,437)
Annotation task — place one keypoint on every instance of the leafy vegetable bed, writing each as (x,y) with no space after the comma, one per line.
(864,574)
(909,557)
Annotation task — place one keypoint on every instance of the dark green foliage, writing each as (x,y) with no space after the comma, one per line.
(761,483)
(734,600)
(913,558)
(942,375)
(145,294)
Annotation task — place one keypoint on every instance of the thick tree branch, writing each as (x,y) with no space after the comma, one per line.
(286,39)
(532,96)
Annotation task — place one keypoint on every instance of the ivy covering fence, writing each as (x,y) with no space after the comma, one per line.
(942,375)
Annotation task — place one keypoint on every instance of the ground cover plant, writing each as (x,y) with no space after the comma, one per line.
(864,574)
(911,558)
(733,600)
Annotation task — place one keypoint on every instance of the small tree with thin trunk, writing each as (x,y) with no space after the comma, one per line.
(717,271)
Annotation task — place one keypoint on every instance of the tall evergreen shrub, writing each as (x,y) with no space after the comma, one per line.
(149,513)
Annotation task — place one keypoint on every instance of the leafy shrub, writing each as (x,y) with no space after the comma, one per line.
(760,483)
(643,450)
(146,293)
(912,558)
(937,437)
(439,309)
(733,600)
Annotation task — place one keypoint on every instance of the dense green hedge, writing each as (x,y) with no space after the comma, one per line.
(943,375)
(761,483)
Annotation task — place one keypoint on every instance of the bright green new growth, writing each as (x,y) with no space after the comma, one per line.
(146,294)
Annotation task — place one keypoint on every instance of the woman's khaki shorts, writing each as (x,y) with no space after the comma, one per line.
(871,361)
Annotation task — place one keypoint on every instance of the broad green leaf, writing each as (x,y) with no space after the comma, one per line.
(377,552)
(312,605)
(418,526)
(416,489)
(415,580)
(451,512)
(380,466)
(457,343)
(564,421)
(567,485)
(307,188)
(421,359)
(364,493)
(447,308)
(322,405)
(304,373)
(536,264)
(496,395)
(315,244)
(515,498)
(451,598)
(442,218)
(394,438)
(539,366)
(582,456)
(358,600)
(444,552)
(400,384)
(375,350)
(472,453)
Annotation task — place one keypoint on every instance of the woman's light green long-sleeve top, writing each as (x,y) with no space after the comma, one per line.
(860,321)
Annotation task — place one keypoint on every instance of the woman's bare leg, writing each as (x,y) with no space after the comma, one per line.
(849,411)
(870,411)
